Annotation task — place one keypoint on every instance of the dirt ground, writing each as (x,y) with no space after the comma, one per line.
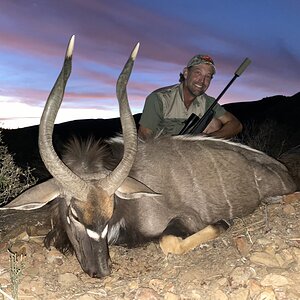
(257,258)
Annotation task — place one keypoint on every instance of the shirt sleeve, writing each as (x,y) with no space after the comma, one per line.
(218,109)
(152,113)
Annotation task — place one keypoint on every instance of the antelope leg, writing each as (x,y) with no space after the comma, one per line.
(177,245)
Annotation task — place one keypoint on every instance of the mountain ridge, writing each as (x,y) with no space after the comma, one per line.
(270,125)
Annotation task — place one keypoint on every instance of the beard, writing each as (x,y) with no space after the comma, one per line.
(196,90)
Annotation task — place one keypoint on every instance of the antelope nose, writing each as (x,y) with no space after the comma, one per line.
(100,272)
(103,273)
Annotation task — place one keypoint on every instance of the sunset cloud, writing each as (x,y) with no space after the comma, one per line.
(34,37)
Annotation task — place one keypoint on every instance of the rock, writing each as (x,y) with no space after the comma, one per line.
(241,294)
(287,199)
(67,279)
(54,256)
(23,236)
(240,276)
(194,294)
(222,281)
(32,270)
(85,297)
(30,285)
(146,294)
(242,245)
(285,258)
(263,241)
(20,248)
(292,295)
(265,259)
(133,285)
(39,258)
(219,295)
(275,280)
(171,296)
(156,284)
(36,231)
(271,249)
(289,209)
(3,246)
(296,253)
(254,287)
(267,294)
(279,243)
(4,281)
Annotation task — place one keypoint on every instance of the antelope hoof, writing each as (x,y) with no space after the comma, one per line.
(171,244)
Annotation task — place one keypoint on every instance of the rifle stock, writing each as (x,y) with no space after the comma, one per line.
(189,124)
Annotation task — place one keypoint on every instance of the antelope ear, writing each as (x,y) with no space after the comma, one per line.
(134,189)
(35,197)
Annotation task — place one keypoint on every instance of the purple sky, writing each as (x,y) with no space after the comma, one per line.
(34,35)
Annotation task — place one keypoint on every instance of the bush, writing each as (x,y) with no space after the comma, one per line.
(13,179)
(267,136)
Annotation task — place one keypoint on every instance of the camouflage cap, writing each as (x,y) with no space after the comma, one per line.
(201,59)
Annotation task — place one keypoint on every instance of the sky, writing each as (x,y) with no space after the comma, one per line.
(34,35)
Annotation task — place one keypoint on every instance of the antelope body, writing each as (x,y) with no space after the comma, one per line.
(124,192)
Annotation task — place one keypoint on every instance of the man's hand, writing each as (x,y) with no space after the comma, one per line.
(230,126)
(214,125)
(144,133)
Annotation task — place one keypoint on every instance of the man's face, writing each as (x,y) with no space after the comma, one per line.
(197,78)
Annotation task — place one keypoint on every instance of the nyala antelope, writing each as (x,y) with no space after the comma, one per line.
(126,192)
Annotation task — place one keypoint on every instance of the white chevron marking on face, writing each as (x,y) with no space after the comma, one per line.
(93,234)
(104,232)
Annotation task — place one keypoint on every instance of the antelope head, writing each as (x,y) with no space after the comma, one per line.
(86,205)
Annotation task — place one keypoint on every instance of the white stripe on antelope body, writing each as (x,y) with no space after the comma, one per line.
(169,185)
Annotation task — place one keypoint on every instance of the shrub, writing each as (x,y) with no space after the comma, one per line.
(267,136)
(13,179)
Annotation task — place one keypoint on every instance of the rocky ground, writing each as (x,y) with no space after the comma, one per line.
(257,258)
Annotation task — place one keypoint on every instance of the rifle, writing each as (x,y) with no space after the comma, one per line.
(195,125)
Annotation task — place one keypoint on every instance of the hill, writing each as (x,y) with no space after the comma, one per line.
(269,124)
